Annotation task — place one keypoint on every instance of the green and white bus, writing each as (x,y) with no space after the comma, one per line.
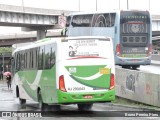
(59,71)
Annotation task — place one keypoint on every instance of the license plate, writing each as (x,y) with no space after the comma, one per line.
(104,71)
(88,96)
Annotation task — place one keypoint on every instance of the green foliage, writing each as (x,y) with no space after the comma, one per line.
(5,49)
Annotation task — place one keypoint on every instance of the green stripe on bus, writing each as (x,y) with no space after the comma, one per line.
(85,71)
(101,82)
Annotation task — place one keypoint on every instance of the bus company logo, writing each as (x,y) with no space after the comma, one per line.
(135,28)
(6,114)
(72,70)
(135,17)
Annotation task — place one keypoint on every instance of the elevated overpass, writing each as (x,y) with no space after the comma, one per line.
(8,40)
(35,19)
(40,20)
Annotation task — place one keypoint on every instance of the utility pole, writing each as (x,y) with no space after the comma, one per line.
(127,5)
(96,5)
(149,4)
(3,61)
(23,5)
(79,5)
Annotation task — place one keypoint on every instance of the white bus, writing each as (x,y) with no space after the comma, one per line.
(76,70)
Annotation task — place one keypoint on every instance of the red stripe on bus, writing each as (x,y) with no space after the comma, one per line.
(135,22)
(81,57)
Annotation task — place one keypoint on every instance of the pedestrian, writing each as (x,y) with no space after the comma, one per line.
(2,75)
(8,78)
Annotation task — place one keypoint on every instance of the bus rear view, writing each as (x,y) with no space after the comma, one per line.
(135,47)
(86,71)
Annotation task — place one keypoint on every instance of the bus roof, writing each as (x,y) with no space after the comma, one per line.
(87,37)
(37,44)
(52,40)
(108,11)
(91,12)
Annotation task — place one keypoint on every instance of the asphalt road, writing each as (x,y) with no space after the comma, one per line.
(100,111)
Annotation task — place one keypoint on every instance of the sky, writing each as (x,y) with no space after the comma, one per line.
(82,5)
(86,5)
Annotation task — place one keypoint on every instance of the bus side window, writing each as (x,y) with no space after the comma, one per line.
(113,16)
(35,58)
(82,20)
(22,60)
(17,62)
(41,58)
(108,20)
(28,59)
(13,65)
(101,20)
(47,57)
(52,56)
(25,59)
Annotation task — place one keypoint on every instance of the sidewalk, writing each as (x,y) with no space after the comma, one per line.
(3,83)
(3,86)
(6,95)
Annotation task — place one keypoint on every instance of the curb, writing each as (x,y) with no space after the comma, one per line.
(156,62)
(136,107)
(144,107)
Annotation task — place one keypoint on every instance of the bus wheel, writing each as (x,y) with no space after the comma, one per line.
(22,101)
(126,66)
(42,106)
(55,107)
(84,107)
(135,67)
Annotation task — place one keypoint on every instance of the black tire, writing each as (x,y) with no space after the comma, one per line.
(85,106)
(134,67)
(55,107)
(42,106)
(126,66)
(22,101)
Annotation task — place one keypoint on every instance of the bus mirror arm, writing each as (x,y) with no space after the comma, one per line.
(115,29)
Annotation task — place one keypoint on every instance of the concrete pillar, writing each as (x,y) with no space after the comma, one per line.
(41,34)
